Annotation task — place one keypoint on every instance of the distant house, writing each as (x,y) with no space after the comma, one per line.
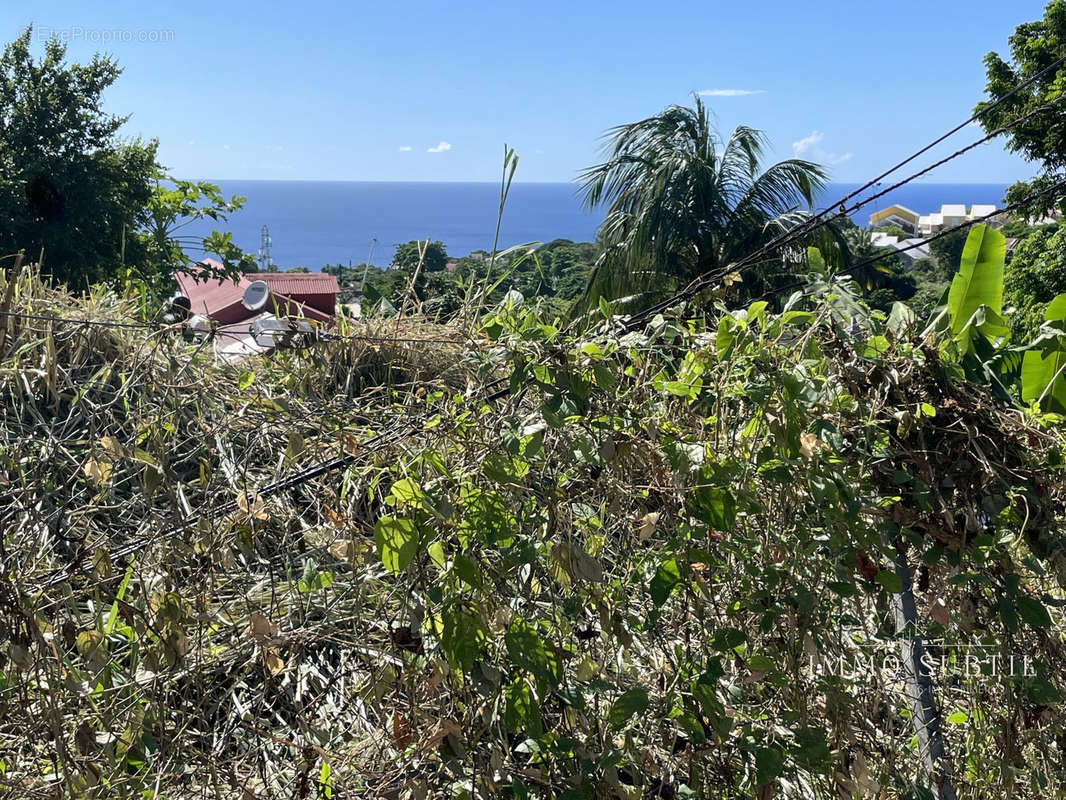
(896,215)
(911,250)
(312,295)
(928,224)
(309,296)
(952,215)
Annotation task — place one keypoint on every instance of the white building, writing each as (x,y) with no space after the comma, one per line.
(897,216)
(952,215)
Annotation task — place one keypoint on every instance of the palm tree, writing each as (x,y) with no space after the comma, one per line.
(683,203)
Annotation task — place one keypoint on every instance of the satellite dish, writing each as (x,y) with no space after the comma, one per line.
(256,296)
(198,323)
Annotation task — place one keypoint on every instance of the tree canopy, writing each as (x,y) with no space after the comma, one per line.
(1034,48)
(69,185)
(683,201)
(408,255)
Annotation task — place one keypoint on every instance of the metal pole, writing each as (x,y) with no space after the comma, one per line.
(366,267)
(920,691)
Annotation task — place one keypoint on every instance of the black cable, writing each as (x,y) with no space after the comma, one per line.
(377,442)
(818,221)
(962,226)
(797,233)
(874,181)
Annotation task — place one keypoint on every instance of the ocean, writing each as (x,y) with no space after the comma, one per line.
(314,223)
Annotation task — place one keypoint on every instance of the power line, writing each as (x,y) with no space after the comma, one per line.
(960,227)
(968,224)
(799,232)
(820,220)
(940,139)
(377,442)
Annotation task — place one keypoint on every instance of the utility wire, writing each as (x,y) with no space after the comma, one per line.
(398,432)
(962,226)
(810,224)
(377,442)
(797,232)
(821,220)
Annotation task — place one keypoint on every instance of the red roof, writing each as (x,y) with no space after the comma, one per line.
(311,295)
(293,283)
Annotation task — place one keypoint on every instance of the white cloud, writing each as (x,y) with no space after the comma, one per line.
(729,92)
(806,143)
(405,148)
(443,147)
(811,147)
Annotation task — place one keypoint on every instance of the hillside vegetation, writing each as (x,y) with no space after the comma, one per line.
(662,562)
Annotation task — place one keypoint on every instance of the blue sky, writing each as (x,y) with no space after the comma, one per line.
(329,90)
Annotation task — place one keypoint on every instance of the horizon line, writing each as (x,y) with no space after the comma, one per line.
(985,182)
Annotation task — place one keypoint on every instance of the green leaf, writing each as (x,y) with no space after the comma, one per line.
(325,785)
(528,651)
(769,762)
(876,346)
(760,663)
(890,580)
(716,507)
(627,706)
(406,491)
(979,281)
(811,752)
(1033,611)
(958,718)
(1008,614)
(1045,366)
(901,318)
(522,713)
(467,570)
(397,541)
(678,388)
(605,307)
(667,576)
(1042,691)
(246,379)
(461,638)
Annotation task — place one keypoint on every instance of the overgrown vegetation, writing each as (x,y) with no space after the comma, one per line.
(504,557)
(659,567)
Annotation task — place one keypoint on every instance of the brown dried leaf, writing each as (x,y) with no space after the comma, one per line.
(110,445)
(97,471)
(261,629)
(273,660)
(401,731)
(252,504)
(647,525)
(810,445)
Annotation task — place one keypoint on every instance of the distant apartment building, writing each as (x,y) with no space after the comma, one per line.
(897,216)
(952,215)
